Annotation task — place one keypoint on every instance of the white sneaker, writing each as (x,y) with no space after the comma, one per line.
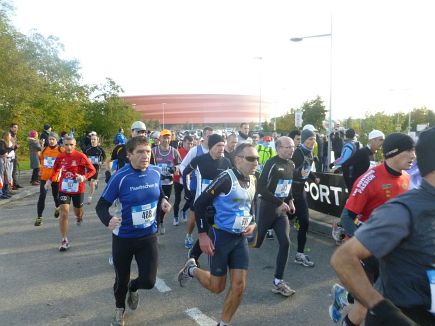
(176,222)
(283,288)
(303,260)
(89,200)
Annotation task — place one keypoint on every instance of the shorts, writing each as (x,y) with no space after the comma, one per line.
(95,176)
(231,250)
(77,199)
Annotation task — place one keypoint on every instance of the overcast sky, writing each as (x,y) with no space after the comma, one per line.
(382,51)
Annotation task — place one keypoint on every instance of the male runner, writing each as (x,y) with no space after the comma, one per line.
(74,168)
(137,186)
(96,155)
(232,194)
(275,201)
(371,190)
(207,167)
(47,158)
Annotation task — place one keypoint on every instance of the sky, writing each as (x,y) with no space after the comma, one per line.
(380,56)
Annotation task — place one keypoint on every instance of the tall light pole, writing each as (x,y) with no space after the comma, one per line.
(163,115)
(301,38)
(260,73)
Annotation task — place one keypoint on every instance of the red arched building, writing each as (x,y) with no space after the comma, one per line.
(201,109)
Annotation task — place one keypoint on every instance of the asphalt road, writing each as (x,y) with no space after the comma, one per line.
(41,286)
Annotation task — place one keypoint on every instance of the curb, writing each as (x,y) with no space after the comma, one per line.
(20,195)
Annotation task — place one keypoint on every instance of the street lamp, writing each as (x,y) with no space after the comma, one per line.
(301,38)
(163,115)
(260,82)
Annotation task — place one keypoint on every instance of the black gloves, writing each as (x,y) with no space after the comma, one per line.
(107,175)
(387,314)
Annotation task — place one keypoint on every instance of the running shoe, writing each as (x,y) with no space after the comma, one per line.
(269,234)
(338,233)
(296,225)
(162,229)
(56,212)
(38,221)
(303,260)
(118,319)
(132,298)
(89,200)
(189,255)
(339,295)
(96,185)
(64,245)
(188,242)
(283,288)
(183,274)
(79,221)
(176,222)
(183,216)
(111,260)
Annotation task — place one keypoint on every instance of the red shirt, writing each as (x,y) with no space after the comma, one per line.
(374,188)
(183,153)
(69,166)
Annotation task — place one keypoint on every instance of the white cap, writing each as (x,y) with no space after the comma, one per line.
(92,133)
(375,134)
(309,127)
(138,125)
(155,134)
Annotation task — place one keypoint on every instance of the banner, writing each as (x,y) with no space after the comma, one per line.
(329,196)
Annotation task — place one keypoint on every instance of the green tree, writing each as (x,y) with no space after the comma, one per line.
(314,112)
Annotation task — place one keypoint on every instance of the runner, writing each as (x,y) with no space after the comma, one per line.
(303,159)
(178,185)
(74,168)
(47,159)
(195,151)
(231,194)
(207,168)
(138,188)
(96,155)
(370,191)
(401,234)
(275,201)
(167,159)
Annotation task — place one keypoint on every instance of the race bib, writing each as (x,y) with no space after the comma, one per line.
(204,184)
(143,216)
(94,160)
(243,218)
(431,276)
(49,162)
(283,188)
(164,167)
(69,185)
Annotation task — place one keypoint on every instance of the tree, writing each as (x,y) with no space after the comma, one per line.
(314,112)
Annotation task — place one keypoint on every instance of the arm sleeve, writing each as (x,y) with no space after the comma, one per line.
(348,221)
(186,171)
(103,154)
(221,185)
(298,160)
(102,210)
(90,169)
(391,221)
(265,181)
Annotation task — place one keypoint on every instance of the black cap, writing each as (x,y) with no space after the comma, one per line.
(214,139)
(47,126)
(425,151)
(397,143)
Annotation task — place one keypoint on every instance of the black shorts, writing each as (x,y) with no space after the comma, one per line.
(77,199)
(95,176)
(231,250)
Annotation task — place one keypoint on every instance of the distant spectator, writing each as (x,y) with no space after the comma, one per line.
(243,135)
(120,137)
(296,136)
(44,135)
(349,148)
(63,134)
(337,140)
(34,151)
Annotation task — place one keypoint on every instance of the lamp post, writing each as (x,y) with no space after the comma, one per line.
(163,115)
(260,72)
(301,38)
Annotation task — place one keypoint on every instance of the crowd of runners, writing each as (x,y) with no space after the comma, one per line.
(239,189)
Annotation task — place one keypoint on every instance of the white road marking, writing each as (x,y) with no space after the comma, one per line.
(161,286)
(200,318)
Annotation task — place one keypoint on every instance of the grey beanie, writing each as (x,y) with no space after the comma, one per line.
(53,135)
(306,134)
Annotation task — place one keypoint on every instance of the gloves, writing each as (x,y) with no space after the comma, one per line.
(331,165)
(387,314)
(47,185)
(188,196)
(107,175)
(80,178)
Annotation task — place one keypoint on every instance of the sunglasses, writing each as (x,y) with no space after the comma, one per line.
(251,158)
